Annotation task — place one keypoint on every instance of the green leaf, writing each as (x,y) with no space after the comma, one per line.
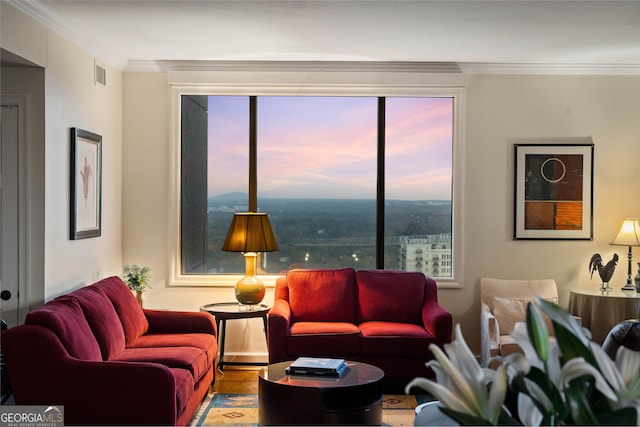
(579,407)
(563,318)
(538,333)
(621,417)
(572,346)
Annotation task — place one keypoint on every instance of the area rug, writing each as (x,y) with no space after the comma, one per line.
(242,410)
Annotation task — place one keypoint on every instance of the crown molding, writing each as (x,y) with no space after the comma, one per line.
(549,69)
(296,66)
(45,16)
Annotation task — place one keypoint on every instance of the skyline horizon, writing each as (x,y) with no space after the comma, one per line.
(328,146)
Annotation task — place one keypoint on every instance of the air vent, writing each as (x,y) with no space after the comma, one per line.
(100,74)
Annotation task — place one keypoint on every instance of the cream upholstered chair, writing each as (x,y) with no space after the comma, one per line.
(503,303)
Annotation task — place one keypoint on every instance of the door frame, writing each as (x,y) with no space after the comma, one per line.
(22,289)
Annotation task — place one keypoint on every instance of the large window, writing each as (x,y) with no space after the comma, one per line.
(359,181)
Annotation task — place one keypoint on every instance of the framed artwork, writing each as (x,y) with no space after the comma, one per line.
(86,184)
(553,191)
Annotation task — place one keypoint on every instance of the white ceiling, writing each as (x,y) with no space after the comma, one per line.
(580,35)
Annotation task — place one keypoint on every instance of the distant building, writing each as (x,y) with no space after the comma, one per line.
(428,254)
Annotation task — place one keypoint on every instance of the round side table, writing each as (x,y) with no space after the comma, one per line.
(224,311)
(354,398)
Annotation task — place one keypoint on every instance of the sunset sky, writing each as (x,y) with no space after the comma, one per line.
(325,147)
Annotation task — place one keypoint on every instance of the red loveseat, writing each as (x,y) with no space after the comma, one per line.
(108,361)
(384,318)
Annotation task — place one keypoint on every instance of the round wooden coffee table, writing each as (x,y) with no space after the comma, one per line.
(353,398)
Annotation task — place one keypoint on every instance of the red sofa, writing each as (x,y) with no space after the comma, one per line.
(384,318)
(108,361)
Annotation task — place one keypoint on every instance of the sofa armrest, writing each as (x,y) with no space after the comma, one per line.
(279,326)
(438,321)
(180,322)
(489,334)
(42,372)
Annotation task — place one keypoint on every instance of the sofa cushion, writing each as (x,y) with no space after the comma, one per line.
(323,339)
(192,359)
(129,311)
(322,295)
(392,296)
(102,318)
(205,342)
(509,311)
(395,339)
(66,319)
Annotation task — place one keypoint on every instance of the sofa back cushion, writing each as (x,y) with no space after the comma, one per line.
(102,318)
(391,296)
(322,295)
(66,320)
(133,320)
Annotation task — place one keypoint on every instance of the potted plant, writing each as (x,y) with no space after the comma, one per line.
(137,278)
(569,380)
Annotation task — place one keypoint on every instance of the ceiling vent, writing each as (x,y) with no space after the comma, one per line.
(100,74)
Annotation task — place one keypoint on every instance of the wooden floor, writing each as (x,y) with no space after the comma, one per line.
(235,380)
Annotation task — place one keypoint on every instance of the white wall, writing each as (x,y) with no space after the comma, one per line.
(502,108)
(72,100)
(499,109)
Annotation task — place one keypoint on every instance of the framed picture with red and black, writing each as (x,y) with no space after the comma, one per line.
(554,191)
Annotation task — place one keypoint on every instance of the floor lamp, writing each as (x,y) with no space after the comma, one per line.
(629,235)
(250,233)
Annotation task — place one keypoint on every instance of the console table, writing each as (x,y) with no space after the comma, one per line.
(600,311)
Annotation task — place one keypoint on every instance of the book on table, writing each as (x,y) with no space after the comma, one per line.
(317,366)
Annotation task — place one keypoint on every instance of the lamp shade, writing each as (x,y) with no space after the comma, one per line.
(629,234)
(250,232)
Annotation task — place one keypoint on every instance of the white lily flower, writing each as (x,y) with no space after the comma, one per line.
(578,367)
(623,375)
(461,384)
(521,337)
(529,413)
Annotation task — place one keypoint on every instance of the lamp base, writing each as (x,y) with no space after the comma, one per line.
(250,290)
(629,287)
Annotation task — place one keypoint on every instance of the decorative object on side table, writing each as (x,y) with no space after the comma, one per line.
(629,235)
(604,270)
(137,279)
(637,279)
(250,233)
(567,381)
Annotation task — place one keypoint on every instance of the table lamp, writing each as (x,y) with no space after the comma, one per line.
(629,235)
(250,233)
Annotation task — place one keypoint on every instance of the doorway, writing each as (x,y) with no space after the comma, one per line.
(13,210)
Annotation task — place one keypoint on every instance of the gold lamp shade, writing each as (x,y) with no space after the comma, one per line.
(250,233)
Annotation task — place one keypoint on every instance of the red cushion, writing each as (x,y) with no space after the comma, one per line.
(392,296)
(204,342)
(322,295)
(102,319)
(66,319)
(191,359)
(129,311)
(395,339)
(323,339)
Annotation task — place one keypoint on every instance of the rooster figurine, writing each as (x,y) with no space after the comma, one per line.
(604,270)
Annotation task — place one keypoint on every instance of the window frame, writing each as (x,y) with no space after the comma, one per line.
(278,84)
